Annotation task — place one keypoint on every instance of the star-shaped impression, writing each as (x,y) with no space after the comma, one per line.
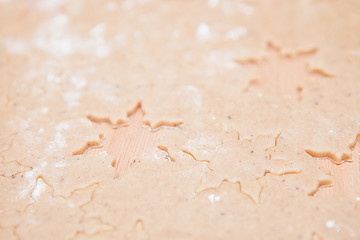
(286,73)
(241,161)
(128,142)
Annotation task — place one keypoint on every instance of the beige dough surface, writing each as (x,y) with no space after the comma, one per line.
(230,144)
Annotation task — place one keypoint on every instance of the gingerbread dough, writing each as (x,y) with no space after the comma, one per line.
(240,155)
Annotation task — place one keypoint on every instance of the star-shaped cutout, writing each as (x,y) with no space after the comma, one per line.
(241,161)
(128,142)
(285,73)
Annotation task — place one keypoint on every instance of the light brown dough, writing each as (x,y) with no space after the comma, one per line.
(241,154)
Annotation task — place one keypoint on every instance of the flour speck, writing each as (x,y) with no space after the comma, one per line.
(14,46)
(214,198)
(330,224)
(72,98)
(203,32)
(245,9)
(78,81)
(213,3)
(52,78)
(61,19)
(102,51)
(60,164)
(39,189)
(112,6)
(44,110)
(98,30)
(236,33)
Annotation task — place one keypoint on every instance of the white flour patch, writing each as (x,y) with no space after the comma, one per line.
(14,46)
(110,98)
(59,141)
(213,3)
(160,154)
(72,98)
(102,51)
(245,9)
(143,2)
(103,154)
(78,81)
(230,64)
(191,96)
(128,4)
(42,165)
(39,189)
(196,95)
(121,39)
(62,126)
(210,72)
(19,124)
(221,60)
(30,174)
(30,137)
(61,45)
(112,6)
(53,78)
(53,37)
(60,19)
(203,32)
(98,30)
(237,33)
(30,177)
(49,5)
(60,164)
(205,142)
(44,110)
(56,39)
(214,198)
(331,224)
(85,122)
(25,192)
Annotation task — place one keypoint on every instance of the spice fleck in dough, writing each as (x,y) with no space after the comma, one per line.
(241,153)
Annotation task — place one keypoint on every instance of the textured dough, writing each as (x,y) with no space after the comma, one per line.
(242,153)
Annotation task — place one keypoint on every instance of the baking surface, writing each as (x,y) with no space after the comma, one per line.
(129,142)
(151,119)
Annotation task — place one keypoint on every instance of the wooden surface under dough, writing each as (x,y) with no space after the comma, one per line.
(126,143)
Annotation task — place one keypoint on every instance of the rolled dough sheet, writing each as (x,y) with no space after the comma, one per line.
(241,150)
